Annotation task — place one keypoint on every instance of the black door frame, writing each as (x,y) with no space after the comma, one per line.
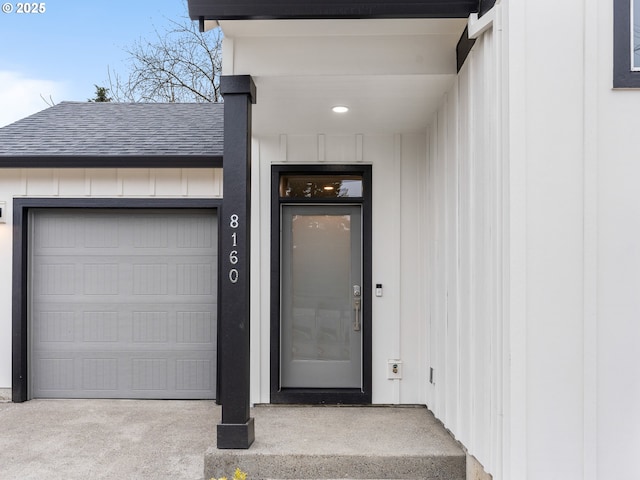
(20,294)
(350,396)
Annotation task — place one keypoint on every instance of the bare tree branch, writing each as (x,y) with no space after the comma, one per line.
(181,64)
(48,101)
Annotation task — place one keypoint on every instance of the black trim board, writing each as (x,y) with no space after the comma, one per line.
(463,48)
(484,6)
(319,396)
(107,161)
(329,9)
(21,207)
(623,76)
(311,395)
(236,430)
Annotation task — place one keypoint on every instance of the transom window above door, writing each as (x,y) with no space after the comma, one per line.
(320,186)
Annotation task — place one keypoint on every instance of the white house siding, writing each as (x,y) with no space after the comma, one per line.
(612,272)
(548,135)
(85,183)
(613,349)
(574,247)
(465,200)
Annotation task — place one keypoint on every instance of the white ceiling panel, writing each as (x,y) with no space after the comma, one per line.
(378,104)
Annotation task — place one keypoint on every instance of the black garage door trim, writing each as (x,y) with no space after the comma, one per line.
(21,207)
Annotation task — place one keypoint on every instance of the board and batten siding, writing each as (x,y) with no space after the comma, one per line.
(465,258)
(86,183)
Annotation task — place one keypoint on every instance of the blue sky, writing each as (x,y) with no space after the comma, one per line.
(67,49)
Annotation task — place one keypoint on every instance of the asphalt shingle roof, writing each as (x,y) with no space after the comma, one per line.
(117,129)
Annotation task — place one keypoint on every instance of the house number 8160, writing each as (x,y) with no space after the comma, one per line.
(233,255)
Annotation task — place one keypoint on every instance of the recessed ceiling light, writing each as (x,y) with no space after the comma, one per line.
(340,109)
(328,188)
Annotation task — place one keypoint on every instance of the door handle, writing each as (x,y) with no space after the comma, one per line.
(357,303)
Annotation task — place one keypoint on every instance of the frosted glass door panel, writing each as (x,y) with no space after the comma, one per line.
(321,267)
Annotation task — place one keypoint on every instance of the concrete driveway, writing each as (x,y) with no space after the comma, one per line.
(106,439)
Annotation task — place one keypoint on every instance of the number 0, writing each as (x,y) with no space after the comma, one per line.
(233,275)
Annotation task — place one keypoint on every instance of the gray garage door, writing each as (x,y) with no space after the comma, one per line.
(123,304)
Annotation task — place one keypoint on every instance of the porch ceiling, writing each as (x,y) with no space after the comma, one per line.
(391,73)
(378,104)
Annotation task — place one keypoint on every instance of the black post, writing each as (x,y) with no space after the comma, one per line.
(236,429)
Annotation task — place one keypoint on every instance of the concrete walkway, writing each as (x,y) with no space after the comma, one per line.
(166,439)
(106,439)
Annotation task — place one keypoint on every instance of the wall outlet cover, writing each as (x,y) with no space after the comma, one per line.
(394,369)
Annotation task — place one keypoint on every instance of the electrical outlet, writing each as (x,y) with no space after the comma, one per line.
(394,369)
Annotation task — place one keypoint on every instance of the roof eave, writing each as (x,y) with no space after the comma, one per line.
(111,161)
(320,9)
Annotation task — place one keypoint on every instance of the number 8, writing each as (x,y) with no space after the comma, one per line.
(234,221)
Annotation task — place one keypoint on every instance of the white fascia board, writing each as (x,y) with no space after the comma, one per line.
(478,25)
(344,27)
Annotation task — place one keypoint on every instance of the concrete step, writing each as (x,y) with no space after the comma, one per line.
(337,466)
(360,443)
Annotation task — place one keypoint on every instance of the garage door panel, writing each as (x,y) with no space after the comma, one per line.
(108,322)
(55,326)
(153,275)
(55,278)
(194,374)
(56,232)
(195,327)
(56,373)
(99,374)
(134,377)
(148,323)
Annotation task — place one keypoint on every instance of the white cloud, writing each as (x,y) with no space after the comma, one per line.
(20,96)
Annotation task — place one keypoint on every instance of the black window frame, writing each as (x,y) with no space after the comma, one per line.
(623,75)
